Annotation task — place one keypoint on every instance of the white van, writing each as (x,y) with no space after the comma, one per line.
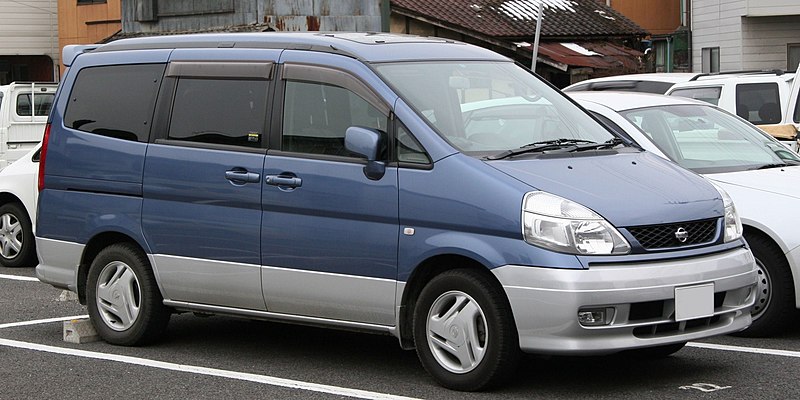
(24,108)
(767,99)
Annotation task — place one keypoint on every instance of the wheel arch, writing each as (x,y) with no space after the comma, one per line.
(9,198)
(794,268)
(93,247)
(421,275)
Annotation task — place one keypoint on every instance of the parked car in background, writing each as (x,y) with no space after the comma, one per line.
(760,174)
(657,82)
(331,179)
(24,108)
(18,196)
(768,99)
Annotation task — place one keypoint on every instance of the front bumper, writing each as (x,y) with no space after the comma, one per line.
(545,302)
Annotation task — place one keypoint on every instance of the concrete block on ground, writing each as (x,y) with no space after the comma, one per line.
(67,295)
(80,331)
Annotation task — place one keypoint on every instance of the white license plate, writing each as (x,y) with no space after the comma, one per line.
(694,302)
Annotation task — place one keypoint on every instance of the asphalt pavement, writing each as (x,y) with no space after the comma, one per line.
(222,357)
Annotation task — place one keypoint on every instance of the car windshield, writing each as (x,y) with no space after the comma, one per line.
(707,140)
(483,108)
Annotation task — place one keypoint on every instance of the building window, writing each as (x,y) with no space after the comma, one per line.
(792,56)
(710,59)
(83,2)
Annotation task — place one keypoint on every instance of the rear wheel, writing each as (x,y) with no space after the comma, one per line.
(774,308)
(124,303)
(17,245)
(464,331)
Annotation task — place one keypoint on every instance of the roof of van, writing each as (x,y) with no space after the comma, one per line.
(368,47)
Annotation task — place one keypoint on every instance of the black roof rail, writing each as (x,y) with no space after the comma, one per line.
(611,85)
(777,72)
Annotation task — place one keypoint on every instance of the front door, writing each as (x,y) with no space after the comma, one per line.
(329,233)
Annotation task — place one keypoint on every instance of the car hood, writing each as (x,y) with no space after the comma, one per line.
(628,188)
(781,181)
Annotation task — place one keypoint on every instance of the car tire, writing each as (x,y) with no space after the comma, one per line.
(464,331)
(123,299)
(656,351)
(17,244)
(774,309)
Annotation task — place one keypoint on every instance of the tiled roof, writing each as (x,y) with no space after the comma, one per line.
(517,18)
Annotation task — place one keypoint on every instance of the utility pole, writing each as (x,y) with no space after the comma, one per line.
(536,38)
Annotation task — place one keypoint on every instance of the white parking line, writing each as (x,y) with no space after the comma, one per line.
(275,381)
(268,380)
(754,350)
(19,278)
(41,321)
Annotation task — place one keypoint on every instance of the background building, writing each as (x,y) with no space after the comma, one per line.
(144,17)
(667,21)
(745,34)
(29,48)
(580,39)
(87,21)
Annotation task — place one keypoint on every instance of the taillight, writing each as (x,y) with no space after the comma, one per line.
(43,156)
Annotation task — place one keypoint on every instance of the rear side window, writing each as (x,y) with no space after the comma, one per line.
(707,94)
(219,111)
(797,111)
(758,103)
(43,102)
(115,101)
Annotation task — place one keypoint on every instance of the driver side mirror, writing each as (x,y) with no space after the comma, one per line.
(366,143)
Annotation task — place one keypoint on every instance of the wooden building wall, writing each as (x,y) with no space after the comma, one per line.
(87,23)
(659,17)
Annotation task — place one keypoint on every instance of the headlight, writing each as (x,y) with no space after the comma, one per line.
(562,225)
(733,224)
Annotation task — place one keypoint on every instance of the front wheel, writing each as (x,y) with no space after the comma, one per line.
(464,331)
(124,303)
(774,307)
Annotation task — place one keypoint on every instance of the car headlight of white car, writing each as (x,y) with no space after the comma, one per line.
(565,226)
(733,224)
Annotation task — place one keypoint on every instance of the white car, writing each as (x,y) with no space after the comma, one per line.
(18,197)
(656,82)
(759,173)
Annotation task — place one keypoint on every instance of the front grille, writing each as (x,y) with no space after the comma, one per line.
(669,235)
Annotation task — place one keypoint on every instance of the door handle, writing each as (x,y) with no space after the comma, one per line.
(241,176)
(284,181)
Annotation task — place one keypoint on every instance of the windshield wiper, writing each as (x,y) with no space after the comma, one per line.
(775,165)
(608,144)
(537,147)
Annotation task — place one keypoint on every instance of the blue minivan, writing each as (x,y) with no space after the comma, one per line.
(418,187)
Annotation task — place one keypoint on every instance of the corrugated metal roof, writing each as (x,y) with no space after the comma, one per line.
(599,54)
(517,18)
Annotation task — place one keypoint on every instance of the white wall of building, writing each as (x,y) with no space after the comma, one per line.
(751,34)
(29,27)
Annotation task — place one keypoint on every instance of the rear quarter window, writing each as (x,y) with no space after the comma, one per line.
(115,101)
(758,103)
(707,94)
